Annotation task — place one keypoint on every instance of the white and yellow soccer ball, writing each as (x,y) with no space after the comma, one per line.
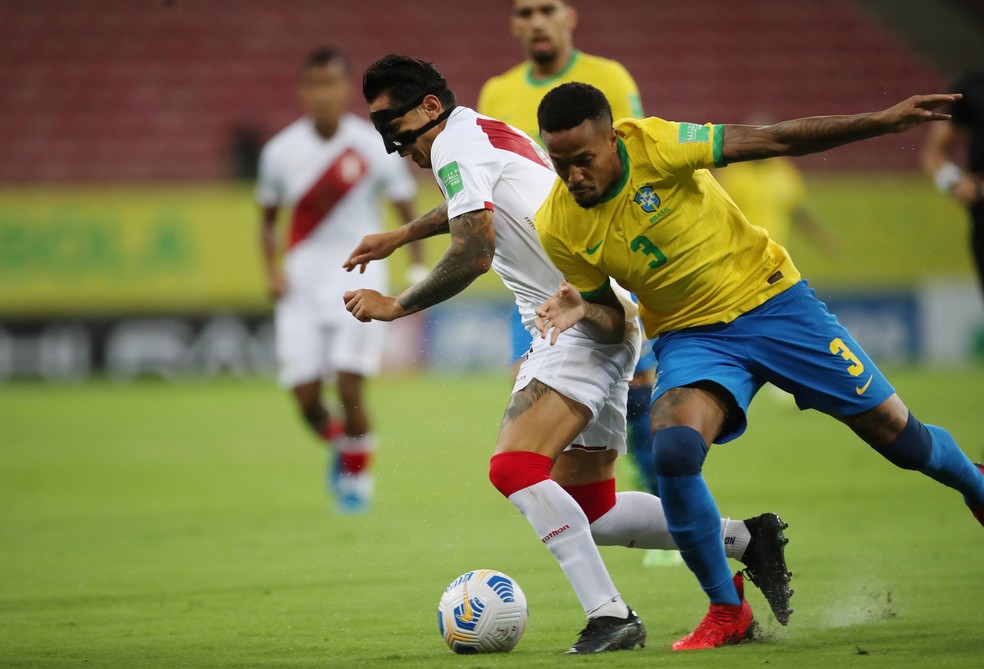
(482,611)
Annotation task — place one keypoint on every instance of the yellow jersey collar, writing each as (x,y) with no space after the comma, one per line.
(554,77)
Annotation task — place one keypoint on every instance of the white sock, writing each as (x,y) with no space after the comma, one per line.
(562,526)
(613,608)
(364,443)
(736,537)
(637,521)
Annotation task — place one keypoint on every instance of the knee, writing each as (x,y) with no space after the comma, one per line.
(913,447)
(678,451)
(513,471)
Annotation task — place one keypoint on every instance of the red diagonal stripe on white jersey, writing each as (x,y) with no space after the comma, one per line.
(501,136)
(336,181)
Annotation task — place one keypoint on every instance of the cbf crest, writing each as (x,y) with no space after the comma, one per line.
(647,199)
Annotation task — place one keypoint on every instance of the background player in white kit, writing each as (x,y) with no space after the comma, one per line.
(494,178)
(331,170)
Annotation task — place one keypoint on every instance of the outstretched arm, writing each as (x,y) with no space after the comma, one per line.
(468,257)
(604,316)
(820,133)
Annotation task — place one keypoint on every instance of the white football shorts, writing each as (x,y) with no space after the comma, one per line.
(316,340)
(596,375)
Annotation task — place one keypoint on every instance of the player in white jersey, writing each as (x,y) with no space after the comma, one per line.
(330,169)
(564,425)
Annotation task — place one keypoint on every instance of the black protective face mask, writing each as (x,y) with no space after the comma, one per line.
(396,141)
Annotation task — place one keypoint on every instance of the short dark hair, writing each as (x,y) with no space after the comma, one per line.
(570,105)
(405,79)
(325,55)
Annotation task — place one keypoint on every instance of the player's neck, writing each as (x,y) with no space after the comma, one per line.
(326,129)
(547,70)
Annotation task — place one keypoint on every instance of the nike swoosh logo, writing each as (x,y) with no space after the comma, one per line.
(595,247)
(860,389)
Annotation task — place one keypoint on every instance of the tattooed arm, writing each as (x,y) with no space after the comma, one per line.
(468,257)
(819,133)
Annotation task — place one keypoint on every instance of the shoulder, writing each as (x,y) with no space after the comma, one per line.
(460,132)
(362,134)
(517,73)
(605,68)
(288,137)
(649,130)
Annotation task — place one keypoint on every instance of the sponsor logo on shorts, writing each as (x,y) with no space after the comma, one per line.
(860,389)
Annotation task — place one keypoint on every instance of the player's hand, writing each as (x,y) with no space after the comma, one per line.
(968,190)
(917,109)
(370,305)
(564,309)
(372,247)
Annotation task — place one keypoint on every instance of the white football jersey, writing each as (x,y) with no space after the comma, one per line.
(482,163)
(335,190)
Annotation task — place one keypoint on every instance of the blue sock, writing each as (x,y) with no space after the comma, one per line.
(950,466)
(691,514)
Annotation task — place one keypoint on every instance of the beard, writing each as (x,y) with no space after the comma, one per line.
(544,57)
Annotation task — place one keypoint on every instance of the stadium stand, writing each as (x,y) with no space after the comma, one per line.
(117,91)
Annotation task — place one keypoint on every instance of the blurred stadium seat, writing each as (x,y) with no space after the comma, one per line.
(115,91)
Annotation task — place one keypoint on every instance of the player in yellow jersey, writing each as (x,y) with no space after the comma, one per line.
(545,29)
(636,203)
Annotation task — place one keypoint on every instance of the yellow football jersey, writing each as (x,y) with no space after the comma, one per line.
(768,192)
(667,232)
(513,97)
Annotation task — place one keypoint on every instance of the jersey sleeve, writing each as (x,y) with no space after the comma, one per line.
(684,147)
(269,190)
(466,177)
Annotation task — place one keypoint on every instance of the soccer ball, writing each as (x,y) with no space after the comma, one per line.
(483,611)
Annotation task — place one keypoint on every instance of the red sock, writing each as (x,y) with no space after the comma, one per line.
(595,499)
(353,463)
(516,470)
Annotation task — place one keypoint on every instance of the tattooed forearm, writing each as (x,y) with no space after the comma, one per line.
(798,137)
(468,257)
(434,222)
(607,325)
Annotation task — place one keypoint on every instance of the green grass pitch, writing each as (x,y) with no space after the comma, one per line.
(186,525)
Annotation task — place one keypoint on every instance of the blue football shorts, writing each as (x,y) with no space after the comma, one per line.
(520,336)
(647,359)
(791,341)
